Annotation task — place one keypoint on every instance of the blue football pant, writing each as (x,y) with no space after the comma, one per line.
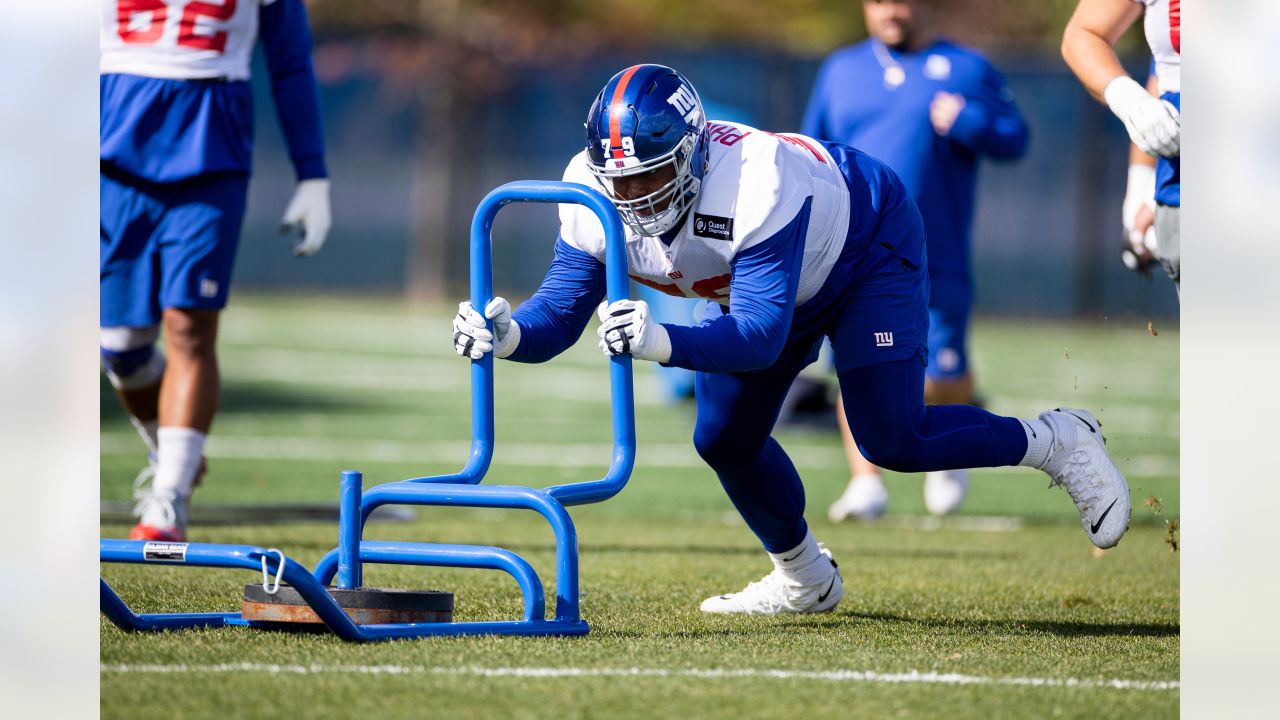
(884,404)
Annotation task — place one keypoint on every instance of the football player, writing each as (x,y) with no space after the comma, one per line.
(792,239)
(176,141)
(1153,123)
(930,109)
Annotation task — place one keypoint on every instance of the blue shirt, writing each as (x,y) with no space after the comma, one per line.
(165,130)
(877,100)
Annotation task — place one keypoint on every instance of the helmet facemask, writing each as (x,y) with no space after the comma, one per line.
(657,212)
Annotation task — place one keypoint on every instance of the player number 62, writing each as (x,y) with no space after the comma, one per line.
(141,22)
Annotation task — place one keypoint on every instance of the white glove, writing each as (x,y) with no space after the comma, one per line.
(627,327)
(1153,124)
(308,214)
(1140,193)
(471,337)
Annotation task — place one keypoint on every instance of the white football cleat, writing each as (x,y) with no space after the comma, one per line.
(944,490)
(1078,461)
(864,499)
(162,515)
(776,593)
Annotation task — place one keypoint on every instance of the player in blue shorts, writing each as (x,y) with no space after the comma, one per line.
(176,141)
(930,109)
(794,240)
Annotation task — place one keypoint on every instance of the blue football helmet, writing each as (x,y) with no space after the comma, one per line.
(645,118)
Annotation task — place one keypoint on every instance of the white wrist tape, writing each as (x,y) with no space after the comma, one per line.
(1140,190)
(509,342)
(660,348)
(1142,183)
(1122,94)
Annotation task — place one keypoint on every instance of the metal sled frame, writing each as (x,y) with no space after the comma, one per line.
(462,489)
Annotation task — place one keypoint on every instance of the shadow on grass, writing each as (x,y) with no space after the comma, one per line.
(875,553)
(1068,629)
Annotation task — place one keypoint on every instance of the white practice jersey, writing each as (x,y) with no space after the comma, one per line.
(1162,25)
(179,39)
(755,185)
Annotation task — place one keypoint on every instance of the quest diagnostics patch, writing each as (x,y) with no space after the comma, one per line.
(712,226)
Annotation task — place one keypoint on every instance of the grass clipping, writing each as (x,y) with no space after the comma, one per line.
(1170,525)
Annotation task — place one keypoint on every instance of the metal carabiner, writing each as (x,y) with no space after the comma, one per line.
(266,587)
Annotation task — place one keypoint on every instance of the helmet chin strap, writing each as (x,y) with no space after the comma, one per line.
(670,233)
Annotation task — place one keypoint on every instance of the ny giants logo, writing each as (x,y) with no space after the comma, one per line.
(684,101)
(884,339)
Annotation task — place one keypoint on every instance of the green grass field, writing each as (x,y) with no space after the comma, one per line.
(1000,611)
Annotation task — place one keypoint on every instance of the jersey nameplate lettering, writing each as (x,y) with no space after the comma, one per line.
(713,226)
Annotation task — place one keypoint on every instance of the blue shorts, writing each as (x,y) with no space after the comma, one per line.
(166,245)
(874,305)
(948,330)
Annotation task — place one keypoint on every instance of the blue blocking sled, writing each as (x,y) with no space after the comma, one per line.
(462,489)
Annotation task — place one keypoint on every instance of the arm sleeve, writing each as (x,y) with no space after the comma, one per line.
(815,114)
(990,124)
(762,298)
(286,41)
(553,319)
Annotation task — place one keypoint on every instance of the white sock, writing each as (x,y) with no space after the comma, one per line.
(873,476)
(147,430)
(798,559)
(180,452)
(1039,443)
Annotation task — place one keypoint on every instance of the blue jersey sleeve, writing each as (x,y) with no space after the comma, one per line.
(990,124)
(286,41)
(762,298)
(552,320)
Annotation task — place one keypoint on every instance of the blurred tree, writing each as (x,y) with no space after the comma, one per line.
(445,57)
(528,30)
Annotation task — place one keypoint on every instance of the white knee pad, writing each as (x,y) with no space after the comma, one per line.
(130,357)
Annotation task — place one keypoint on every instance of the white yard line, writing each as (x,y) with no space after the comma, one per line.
(869,676)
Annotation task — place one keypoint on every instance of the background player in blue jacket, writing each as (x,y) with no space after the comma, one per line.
(176,141)
(929,109)
(794,241)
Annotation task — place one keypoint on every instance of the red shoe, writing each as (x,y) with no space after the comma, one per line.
(142,531)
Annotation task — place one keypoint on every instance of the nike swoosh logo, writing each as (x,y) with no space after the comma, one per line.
(1093,530)
(793,557)
(823,596)
(1086,422)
